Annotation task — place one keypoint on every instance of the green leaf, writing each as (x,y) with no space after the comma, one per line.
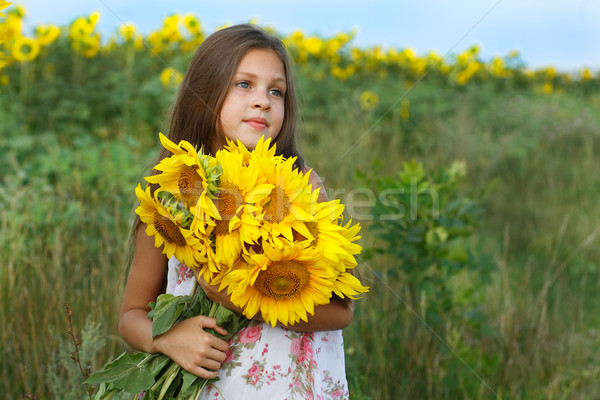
(168,308)
(190,382)
(158,363)
(101,391)
(128,372)
(152,306)
(224,315)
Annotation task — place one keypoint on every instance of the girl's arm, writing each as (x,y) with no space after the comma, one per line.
(337,314)
(186,343)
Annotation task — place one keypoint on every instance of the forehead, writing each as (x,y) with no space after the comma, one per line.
(264,61)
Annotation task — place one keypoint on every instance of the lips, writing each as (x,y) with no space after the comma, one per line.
(257,123)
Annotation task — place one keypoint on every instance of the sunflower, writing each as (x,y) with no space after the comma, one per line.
(167,231)
(192,24)
(325,234)
(351,235)
(263,149)
(211,270)
(335,242)
(184,175)
(25,49)
(239,218)
(291,203)
(128,32)
(47,34)
(88,46)
(210,165)
(84,26)
(346,284)
(3,5)
(169,77)
(283,284)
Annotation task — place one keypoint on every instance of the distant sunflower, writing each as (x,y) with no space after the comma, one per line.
(167,231)
(47,34)
(3,5)
(192,24)
(282,284)
(25,49)
(240,189)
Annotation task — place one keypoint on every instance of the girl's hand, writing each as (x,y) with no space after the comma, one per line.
(194,349)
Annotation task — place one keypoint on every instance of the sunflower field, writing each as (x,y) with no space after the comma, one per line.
(475,181)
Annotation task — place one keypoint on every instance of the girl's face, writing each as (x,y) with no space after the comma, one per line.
(254,105)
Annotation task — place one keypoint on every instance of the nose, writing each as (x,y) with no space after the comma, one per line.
(261,101)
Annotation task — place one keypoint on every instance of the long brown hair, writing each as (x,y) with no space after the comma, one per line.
(194,116)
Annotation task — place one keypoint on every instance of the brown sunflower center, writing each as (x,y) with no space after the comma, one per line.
(228,200)
(278,205)
(189,184)
(282,280)
(168,230)
(313,228)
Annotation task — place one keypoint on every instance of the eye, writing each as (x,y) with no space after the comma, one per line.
(276,92)
(243,84)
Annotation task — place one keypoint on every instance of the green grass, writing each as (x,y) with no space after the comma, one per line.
(524,324)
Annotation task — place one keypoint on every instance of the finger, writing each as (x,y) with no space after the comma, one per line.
(221,330)
(204,373)
(210,364)
(217,355)
(220,345)
(208,322)
(205,322)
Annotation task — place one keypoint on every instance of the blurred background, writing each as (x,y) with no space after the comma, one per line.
(475,125)
(559,33)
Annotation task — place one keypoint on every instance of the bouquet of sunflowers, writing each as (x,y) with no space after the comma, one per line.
(249,222)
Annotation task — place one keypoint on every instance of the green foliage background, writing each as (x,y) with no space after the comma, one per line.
(516,320)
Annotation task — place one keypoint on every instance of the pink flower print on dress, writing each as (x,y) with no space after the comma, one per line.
(308,349)
(229,356)
(183,274)
(338,393)
(253,370)
(250,334)
(296,349)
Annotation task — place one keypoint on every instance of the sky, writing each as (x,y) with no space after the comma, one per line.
(560,33)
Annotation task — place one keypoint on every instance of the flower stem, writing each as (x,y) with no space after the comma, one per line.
(213,309)
(110,394)
(168,377)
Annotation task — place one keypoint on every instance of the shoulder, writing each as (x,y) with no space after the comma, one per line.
(316,182)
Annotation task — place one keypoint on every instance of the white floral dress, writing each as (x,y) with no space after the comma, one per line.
(273,363)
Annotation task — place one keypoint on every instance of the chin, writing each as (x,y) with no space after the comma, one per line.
(250,142)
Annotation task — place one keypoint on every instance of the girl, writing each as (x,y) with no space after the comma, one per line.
(239,86)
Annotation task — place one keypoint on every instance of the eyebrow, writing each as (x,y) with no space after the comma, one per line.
(279,79)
